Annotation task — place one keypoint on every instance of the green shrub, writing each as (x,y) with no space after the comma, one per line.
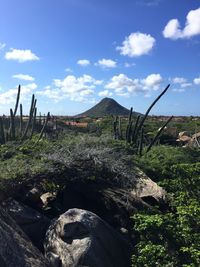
(171,237)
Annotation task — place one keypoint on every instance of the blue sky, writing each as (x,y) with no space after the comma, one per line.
(72,53)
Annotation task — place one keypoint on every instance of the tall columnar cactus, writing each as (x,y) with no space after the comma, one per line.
(134,129)
(115,130)
(158,134)
(34,122)
(3,140)
(129,126)
(33,103)
(147,113)
(140,148)
(21,119)
(17,101)
(12,125)
(44,126)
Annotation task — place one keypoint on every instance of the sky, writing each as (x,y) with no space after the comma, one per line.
(73,53)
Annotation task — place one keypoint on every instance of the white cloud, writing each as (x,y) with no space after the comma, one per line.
(137,44)
(180,90)
(152,81)
(125,86)
(105,93)
(9,97)
(54,94)
(192,26)
(172,30)
(179,80)
(2,46)
(83,62)
(182,82)
(79,89)
(106,63)
(20,55)
(128,65)
(184,85)
(197,81)
(68,70)
(24,77)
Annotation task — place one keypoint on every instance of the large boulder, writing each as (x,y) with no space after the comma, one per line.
(15,247)
(33,223)
(81,238)
(112,204)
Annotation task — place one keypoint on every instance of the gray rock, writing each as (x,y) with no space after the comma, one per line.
(81,238)
(33,223)
(15,248)
(112,204)
(46,198)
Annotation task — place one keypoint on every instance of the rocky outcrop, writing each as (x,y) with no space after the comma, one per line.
(33,223)
(81,238)
(112,204)
(15,247)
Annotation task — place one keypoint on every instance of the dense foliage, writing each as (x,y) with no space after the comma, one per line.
(171,237)
(163,237)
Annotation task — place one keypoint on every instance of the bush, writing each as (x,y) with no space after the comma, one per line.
(171,237)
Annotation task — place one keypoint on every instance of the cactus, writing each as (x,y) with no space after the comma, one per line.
(12,125)
(140,148)
(135,128)
(129,126)
(3,140)
(147,112)
(44,126)
(158,134)
(21,119)
(33,103)
(115,131)
(17,101)
(34,122)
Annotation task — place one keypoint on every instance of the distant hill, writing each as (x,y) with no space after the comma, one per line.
(107,106)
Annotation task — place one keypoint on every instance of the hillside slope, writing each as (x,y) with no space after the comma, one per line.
(107,106)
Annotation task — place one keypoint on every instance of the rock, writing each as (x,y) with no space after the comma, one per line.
(81,238)
(46,197)
(15,248)
(113,205)
(145,187)
(31,221)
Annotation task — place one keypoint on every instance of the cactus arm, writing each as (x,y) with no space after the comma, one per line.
(30,117)
(3,140)
(141,141)
(44,126)
(148,110)
(129,126)
(17,100)
(34,122)
(135,128)
(158,134)
(21,118)
(12,125)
